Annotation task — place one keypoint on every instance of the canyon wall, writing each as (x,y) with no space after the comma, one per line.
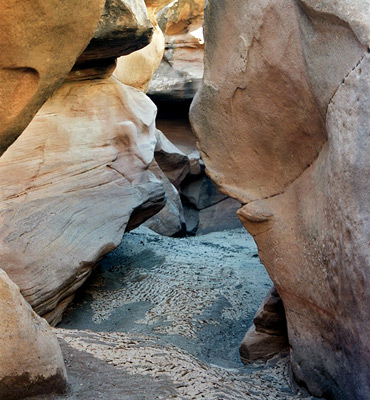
(282,120)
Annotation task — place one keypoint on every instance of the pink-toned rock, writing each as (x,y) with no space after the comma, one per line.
(283,124)
(31,359)
(72,184)
(39,43)
(78,177)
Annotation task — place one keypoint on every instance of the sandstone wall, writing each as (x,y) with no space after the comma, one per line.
(283,124)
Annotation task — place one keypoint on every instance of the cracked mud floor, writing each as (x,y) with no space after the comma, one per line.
(162,318)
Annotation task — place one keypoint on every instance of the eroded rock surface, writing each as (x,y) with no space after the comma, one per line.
(31,359)
(268,334)
(181,70)
(137,69)
(70,184)
(283,124)
(78,177)
(39,45)
(124,27)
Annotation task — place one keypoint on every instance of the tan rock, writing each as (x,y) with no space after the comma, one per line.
(31,359)
(137,69)
(261,346)
(72,184)
(181,70)
(38,46)
(282,120)
(179,133)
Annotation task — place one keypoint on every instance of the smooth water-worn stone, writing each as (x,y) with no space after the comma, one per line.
(283,124)
(31,359)
(137,69)
(39,43)
(72,184)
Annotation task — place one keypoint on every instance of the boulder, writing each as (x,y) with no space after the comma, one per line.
(179,133)
(31,36)
(282,121)
(137,69)
(72,184)
(268,334)
(180,72)
(32,362)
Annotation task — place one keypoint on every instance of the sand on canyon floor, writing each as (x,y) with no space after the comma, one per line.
(162,318)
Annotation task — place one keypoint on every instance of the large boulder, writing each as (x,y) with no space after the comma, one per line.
(78,176)
(283,124)
(31,359)
(38,46)
(180,72)
(71,185)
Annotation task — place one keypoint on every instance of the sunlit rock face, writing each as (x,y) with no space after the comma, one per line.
(31,359)
(137,69)
(76,180)
(282,120)
(181,70)
(39,44)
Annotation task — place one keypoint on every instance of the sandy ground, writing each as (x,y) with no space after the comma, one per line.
(162,318)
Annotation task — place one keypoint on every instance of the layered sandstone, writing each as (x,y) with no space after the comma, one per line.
(78,177)
(31,359)
(180,72)
(70,184)
(38,47)
(283,124)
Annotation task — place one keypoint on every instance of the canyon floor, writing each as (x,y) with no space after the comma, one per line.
(162,318)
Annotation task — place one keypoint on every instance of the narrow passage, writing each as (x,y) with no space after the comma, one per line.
(162,318)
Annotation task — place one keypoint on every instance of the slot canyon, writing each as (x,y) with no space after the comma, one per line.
(185,199)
